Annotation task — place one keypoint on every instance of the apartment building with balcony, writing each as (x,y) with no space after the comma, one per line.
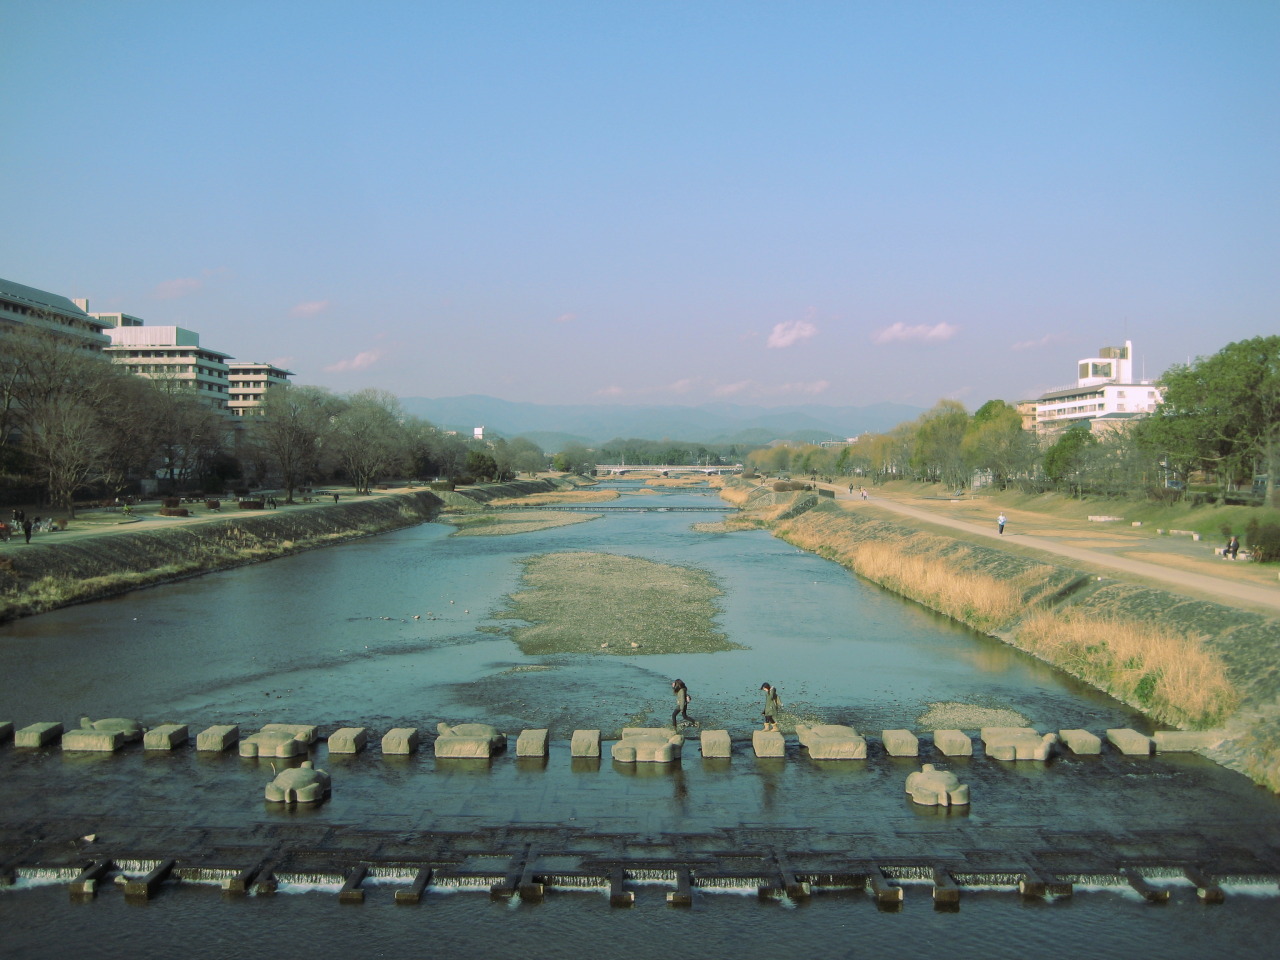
(1105,395)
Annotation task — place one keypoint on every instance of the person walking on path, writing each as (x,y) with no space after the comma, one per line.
(682,705)
(1000,522)
(772,706)
(862,492)
(26,530)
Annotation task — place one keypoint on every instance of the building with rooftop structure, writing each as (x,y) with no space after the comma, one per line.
(23,306)
(250,383)
(173,354)
(1106,395)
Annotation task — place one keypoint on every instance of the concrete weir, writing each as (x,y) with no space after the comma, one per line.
(85,833)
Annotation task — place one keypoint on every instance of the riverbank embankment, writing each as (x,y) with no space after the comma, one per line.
(1183,662)
(60,569)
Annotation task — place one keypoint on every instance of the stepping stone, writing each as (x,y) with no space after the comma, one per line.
(100,741)
(1017,743)
(768,743)
(37,734)
(1184,741)
(832,741)
(348,740)
(716,743)
(648,745)
(1129,742)
(1081,742)
(901,743)
(166,737)
(217,738)
(531,743)
(953,743)
(400,741)
(585,743)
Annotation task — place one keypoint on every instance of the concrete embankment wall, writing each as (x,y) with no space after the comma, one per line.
(1247,644)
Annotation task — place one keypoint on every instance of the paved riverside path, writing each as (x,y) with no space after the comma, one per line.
(1221,589)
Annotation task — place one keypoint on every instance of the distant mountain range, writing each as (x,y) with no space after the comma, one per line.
(554,426)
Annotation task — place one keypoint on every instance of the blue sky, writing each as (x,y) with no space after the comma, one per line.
(657,202)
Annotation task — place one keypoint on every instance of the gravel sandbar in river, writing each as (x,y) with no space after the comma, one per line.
(608,604)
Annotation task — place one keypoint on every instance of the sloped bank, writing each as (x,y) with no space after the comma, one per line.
(49,573)
(1184,663)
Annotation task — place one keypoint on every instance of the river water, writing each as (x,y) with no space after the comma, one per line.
(330,637)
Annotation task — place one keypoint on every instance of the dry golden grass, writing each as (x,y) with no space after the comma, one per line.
(515,521)
(1167,674)
(556,496)
(676,481)
(906,567)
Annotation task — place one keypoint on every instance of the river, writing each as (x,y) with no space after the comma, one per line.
(399,630)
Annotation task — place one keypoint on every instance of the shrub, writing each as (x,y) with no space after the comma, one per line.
(441,485)
(251,505)
(1263,540)
(169,502)
(168,511)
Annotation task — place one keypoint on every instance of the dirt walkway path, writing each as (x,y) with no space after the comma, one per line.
(1259,596)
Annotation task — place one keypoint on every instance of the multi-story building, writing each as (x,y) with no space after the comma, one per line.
(250,383)
(1106,395)
(173,354)
(28,307)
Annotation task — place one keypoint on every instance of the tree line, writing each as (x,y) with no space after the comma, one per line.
(75,425)
(1218,425)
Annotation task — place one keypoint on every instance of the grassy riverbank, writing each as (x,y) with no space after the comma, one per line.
(612,605)
(1183,662)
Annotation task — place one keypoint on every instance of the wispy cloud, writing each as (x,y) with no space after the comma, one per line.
(681,386)
(614,391)
(900,331)
(730,389)
(184,286)
(361,361)
(810,388)
(309,308)
(173,289)
(1046,340)
(790,333)
(566,318)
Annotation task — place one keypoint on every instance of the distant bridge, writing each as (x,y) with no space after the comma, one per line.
(665,470)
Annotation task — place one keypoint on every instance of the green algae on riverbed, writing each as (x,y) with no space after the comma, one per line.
(513,521)
(609,604)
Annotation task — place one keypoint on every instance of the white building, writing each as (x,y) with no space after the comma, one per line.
(1106,395)
(250,382)
(173,354)
(25,306)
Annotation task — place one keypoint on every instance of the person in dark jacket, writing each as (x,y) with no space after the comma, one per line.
(682,704)
(772,706)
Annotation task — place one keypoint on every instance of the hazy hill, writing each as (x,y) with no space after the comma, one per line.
(553,426)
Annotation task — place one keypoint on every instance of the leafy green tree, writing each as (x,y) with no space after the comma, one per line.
(1224,412)
(481,465)
(994,440)
(936,452)
(1068,457)
(574,458)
